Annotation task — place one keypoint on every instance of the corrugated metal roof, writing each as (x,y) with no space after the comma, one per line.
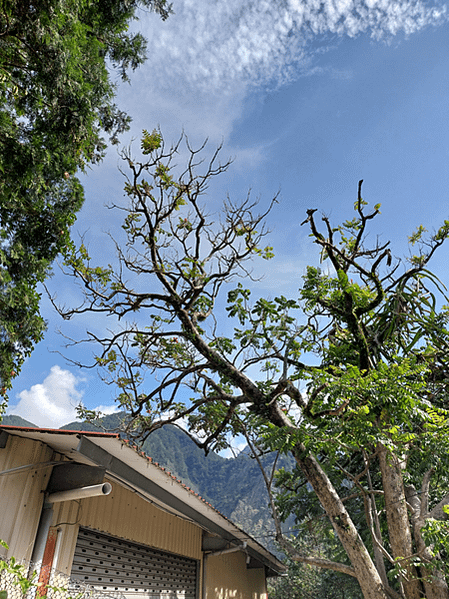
(131,466)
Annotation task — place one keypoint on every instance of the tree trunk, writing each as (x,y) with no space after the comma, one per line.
(378,555)
(370,582)
(398,522)
(434,580)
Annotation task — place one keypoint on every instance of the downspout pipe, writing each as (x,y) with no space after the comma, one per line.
(81,493)
(42,534)
(203,586)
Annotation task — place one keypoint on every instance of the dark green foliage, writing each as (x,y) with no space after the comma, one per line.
(56,102)
(303,581)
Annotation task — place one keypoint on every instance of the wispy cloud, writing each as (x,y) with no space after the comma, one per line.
(212,45)
(207,57)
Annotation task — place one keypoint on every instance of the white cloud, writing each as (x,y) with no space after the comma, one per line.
(212,45)
(52,404)
(206,59)
(106,410)
(237,445)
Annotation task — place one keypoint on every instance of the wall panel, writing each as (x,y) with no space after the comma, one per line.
(126,515)
(19,517)
(227,577)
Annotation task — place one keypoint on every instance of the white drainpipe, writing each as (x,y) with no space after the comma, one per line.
(92,491)
(47,513)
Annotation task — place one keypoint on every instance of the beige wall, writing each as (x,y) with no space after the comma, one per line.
(20,513)
(227,577)
(124,514)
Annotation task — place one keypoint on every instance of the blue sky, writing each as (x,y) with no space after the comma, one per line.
(308,98)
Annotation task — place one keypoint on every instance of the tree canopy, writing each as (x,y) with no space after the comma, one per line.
(56,103)
(349,377)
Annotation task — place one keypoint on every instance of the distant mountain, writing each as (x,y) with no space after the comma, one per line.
(234,486)
(12,420)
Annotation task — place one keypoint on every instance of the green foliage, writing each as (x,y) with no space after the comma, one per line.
(151,141)
(353,369)
(436,535)
(303,581)
(19,575)
(56,103)
(417,235)
(18,572)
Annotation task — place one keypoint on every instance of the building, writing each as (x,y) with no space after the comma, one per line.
(92,507)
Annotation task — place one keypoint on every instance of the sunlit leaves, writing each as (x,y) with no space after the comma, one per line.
(436,536)
(150,141)
(108,360)
(417,235)
(266,253)
(162,172)
(443,232)
(237,303)
(224,344)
